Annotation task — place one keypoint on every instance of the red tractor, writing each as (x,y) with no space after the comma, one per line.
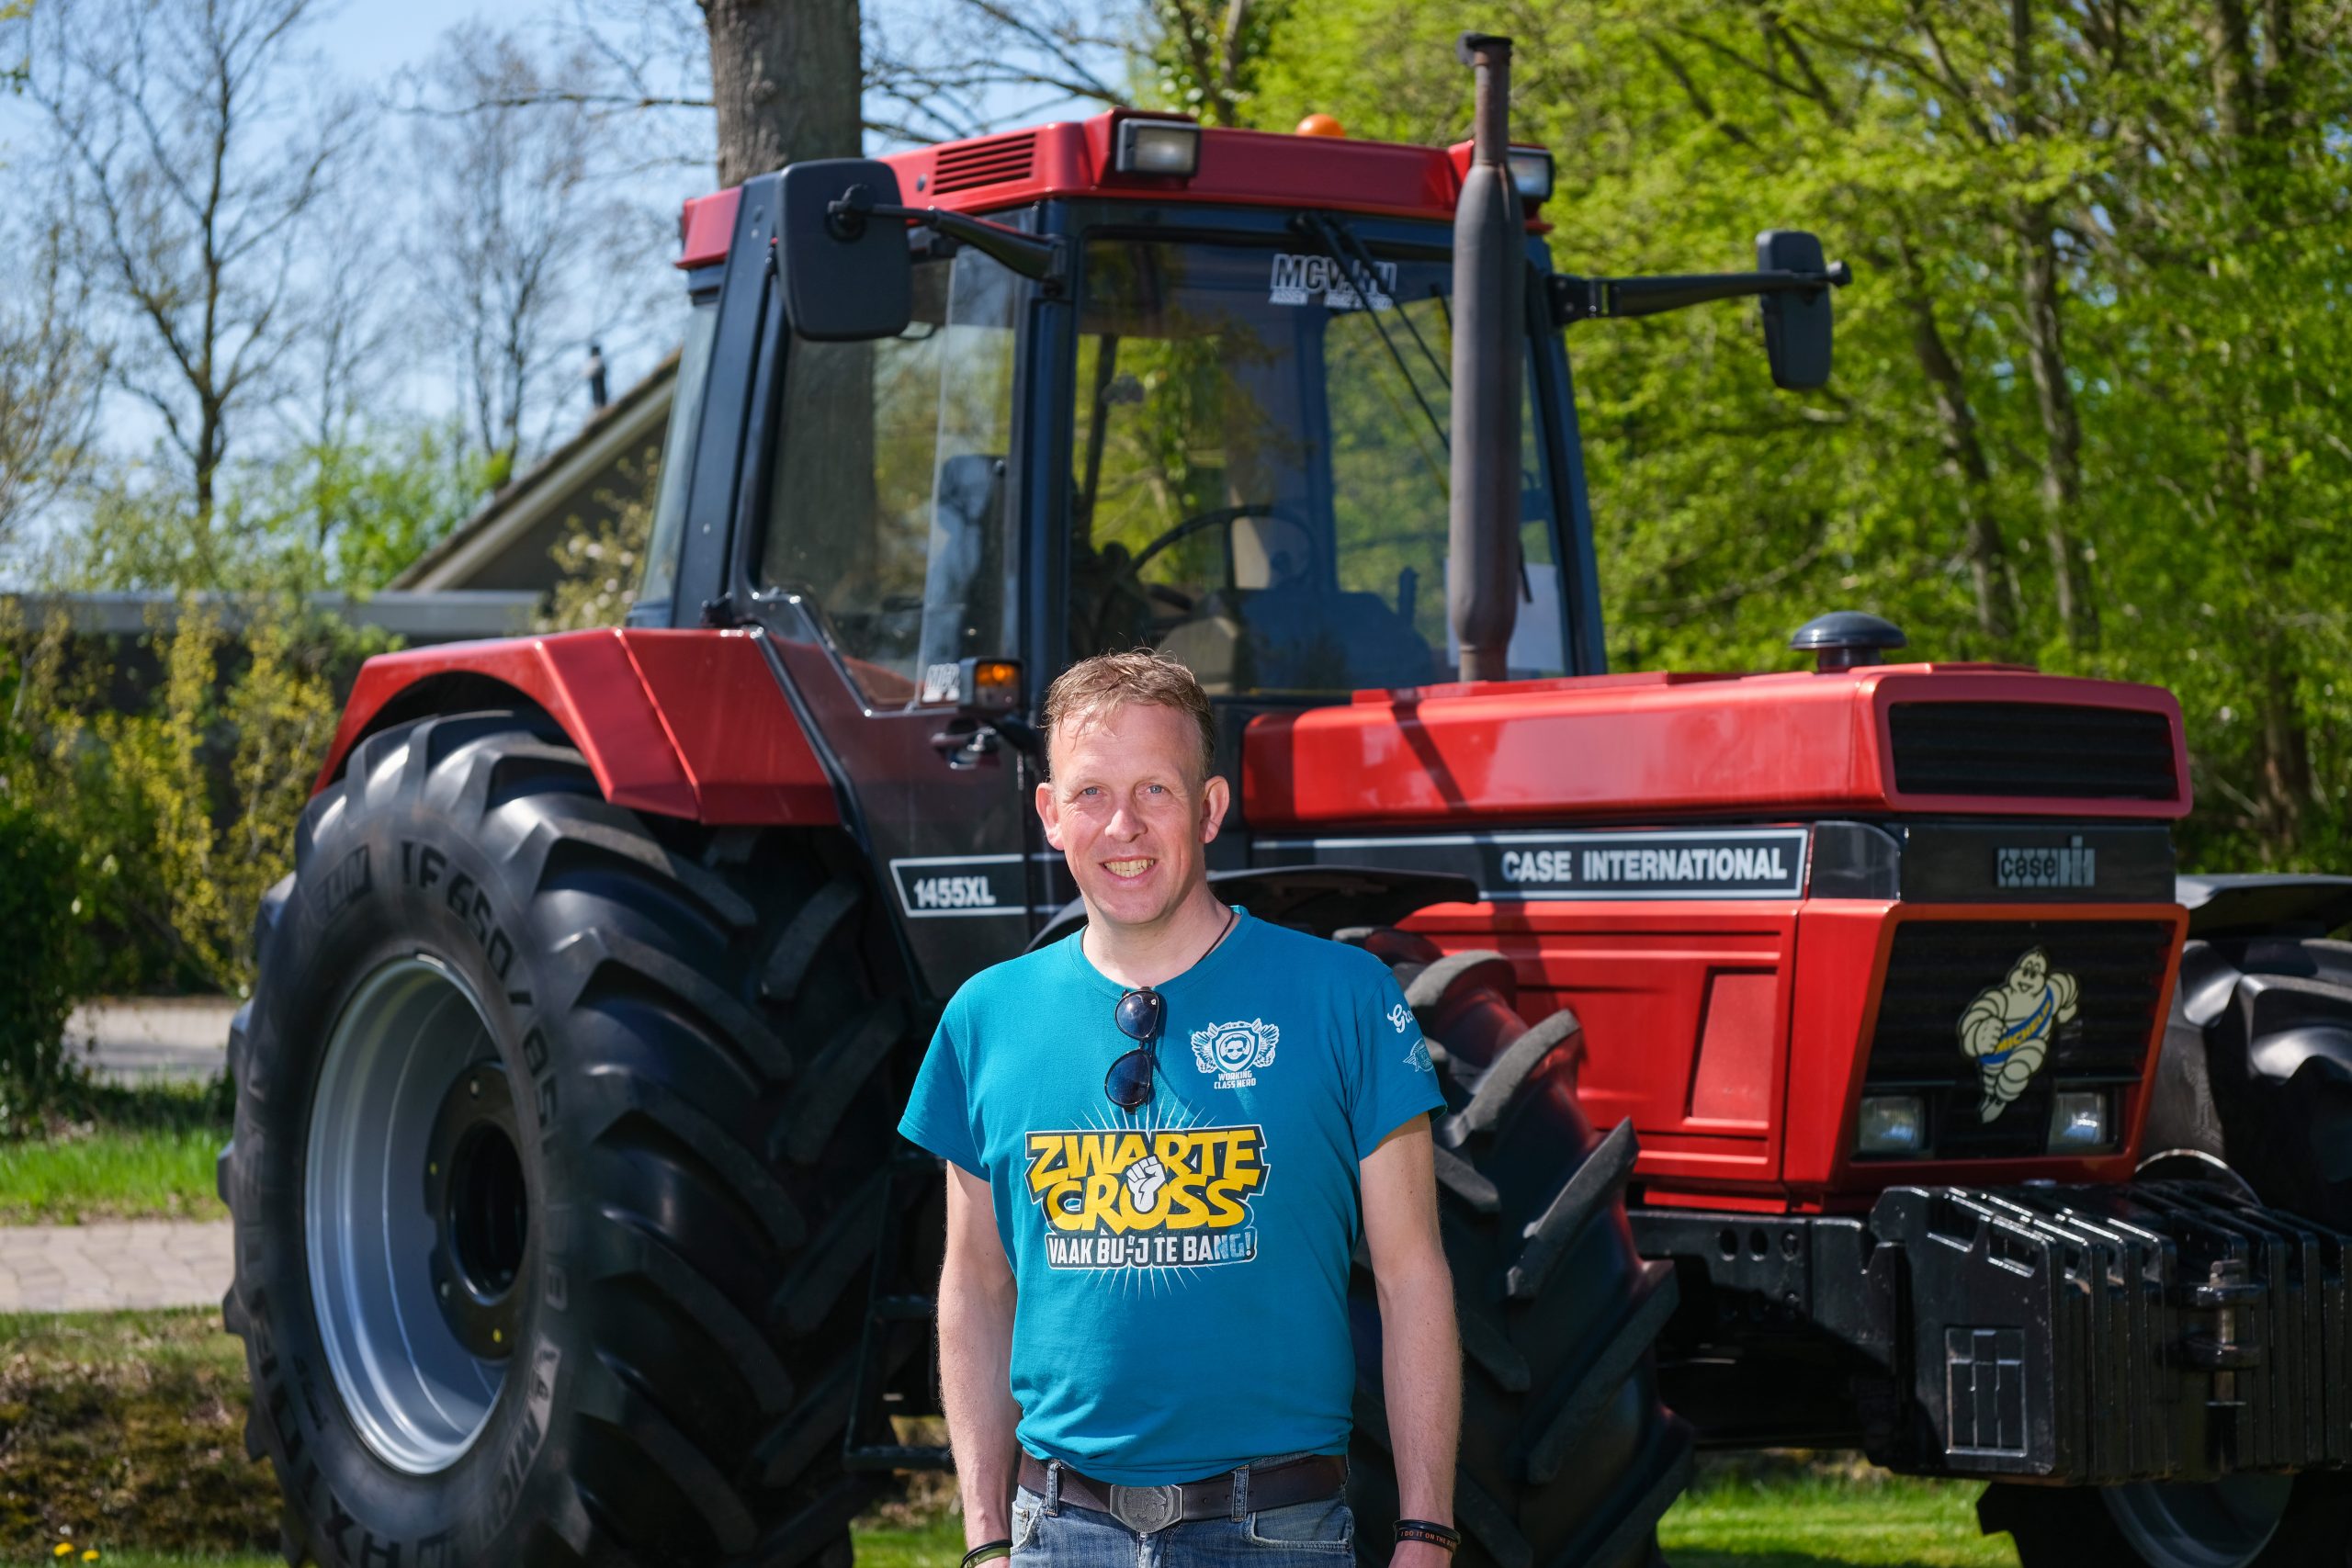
(1941,1119)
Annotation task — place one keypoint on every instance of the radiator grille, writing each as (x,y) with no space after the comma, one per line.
(2032,748)
(985,162)
(1939,967)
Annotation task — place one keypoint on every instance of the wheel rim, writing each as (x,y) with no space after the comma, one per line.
(2218,1524)
(415,1215)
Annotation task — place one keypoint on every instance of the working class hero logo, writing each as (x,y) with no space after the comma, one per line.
(1168,1198)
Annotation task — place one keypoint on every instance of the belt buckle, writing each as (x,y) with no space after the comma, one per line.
(1144,1509)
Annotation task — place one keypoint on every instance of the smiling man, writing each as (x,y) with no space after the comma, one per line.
(1164,1135)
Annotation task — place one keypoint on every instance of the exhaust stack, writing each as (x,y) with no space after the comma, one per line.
(1489,329)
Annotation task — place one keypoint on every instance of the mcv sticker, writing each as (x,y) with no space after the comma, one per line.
(1308,280)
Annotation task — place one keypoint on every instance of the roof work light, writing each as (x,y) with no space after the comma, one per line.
(1170,147)
(1530,173)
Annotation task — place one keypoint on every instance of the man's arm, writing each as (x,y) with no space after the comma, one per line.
(976,1297)
(1420,1357)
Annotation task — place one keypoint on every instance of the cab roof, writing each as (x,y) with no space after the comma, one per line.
(1250,168)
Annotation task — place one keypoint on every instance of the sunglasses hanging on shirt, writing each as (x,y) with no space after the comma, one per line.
(1140,1015)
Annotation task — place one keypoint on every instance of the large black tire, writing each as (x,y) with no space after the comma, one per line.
(1567,1455)
(705,1076)
(2253,1087)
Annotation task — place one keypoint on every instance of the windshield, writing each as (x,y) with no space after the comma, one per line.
(1261,467)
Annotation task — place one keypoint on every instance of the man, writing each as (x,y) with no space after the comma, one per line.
(1157,1131)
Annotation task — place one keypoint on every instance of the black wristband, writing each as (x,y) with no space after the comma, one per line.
(1430,1531)
(987,1551)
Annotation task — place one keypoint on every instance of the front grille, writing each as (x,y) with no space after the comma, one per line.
(1938,971)
(985,162)
(2032,748)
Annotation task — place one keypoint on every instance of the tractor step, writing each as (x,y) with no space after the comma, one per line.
(872,1443)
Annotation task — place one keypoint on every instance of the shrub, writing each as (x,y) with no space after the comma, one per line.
(41,964)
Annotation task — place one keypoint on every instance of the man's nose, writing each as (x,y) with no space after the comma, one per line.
(1125,823)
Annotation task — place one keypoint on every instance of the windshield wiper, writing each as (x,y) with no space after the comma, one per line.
(1327,233)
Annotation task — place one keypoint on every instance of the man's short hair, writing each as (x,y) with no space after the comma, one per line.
(1146,675)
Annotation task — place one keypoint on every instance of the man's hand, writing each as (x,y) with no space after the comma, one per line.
(1144,1178)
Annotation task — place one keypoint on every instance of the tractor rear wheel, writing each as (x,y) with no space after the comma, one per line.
(1567,1455)
(2254,1088)
(557,1155)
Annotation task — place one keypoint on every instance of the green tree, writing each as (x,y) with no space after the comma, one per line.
(2086,372)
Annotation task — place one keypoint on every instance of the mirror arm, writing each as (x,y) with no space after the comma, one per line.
(1044,259)
(1573,298)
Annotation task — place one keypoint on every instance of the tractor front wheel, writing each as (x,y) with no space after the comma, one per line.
(556,1158)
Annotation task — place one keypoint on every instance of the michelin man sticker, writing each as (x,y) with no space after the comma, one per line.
(2006,1030)
(1234,1051)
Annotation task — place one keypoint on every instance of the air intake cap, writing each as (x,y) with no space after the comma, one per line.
(1844,639)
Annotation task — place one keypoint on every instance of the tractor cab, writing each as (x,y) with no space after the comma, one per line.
(988,408)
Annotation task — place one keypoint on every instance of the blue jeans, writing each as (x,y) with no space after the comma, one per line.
(1305,1535)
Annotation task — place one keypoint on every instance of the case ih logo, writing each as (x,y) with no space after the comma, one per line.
(1675,862)
(1712,865)
(2038,866)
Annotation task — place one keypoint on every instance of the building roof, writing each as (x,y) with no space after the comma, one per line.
(505,545)
(420,617)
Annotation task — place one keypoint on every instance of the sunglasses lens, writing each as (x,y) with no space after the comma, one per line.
(1128,1083)
(1140,1013)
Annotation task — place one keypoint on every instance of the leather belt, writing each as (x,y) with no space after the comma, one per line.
(1147,1508)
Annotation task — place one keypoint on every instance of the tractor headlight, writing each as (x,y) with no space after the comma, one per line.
(1159,147)
(2079,1120)
(1892,1124)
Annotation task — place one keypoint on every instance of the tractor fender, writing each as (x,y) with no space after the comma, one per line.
(694,724)
(2265,904)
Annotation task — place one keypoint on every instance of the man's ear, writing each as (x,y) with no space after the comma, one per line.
(1217,799)
(1049,812)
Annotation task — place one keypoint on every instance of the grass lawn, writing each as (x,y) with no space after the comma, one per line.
(126,1427)
(118,1153)
(124,1432)
(1788,1520)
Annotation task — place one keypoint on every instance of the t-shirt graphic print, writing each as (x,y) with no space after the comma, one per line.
(1182,1269)
(1166,1198)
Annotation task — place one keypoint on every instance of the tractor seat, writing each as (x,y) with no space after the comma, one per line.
(1290,638)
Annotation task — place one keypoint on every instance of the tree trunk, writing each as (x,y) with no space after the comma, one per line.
(1965,460)
(783,75)
(2062,428)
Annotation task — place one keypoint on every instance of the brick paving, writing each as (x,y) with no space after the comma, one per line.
(112,1264)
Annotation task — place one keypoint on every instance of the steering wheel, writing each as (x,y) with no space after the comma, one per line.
(1225,517)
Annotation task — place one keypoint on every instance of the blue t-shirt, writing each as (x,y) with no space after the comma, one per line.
(1182,1269)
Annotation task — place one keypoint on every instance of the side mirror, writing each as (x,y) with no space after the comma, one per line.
(847,273)
(1796,324)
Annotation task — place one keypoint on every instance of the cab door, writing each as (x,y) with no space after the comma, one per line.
(886,557)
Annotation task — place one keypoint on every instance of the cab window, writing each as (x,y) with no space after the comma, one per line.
(888,512)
